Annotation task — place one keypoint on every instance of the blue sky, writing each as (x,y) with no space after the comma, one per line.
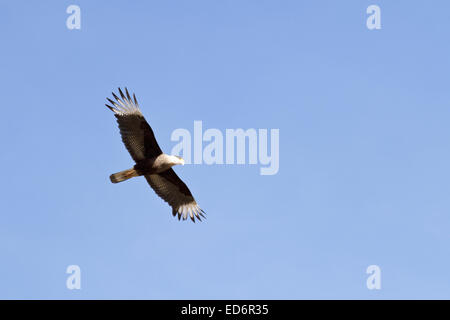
(364,149)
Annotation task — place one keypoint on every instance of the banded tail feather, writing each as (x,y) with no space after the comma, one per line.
(123,175)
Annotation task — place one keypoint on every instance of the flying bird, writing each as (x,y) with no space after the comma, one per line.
(151,162)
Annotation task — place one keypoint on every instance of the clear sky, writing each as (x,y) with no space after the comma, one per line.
(364,173)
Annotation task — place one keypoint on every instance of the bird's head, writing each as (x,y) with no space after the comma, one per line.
(177,160)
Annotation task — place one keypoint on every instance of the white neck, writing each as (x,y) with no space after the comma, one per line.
(174,160)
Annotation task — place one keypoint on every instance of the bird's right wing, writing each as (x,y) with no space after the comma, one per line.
(137,135)
(174,191)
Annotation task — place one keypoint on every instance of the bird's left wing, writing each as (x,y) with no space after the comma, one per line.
(137,135)
(174,191)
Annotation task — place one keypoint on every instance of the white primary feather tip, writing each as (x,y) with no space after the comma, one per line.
(125,105)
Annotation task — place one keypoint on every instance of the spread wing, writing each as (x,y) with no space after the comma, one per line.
(137,135)
(174,191)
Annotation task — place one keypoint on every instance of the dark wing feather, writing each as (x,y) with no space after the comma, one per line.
(174,191)
(137,135)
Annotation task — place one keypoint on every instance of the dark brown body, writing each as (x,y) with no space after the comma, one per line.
(154,165)
(144,167)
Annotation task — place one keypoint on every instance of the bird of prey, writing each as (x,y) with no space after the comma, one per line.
(151,162)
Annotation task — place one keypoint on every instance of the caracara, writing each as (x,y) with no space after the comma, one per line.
(151,162)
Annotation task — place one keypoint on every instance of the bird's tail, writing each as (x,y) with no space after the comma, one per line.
(123,175)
